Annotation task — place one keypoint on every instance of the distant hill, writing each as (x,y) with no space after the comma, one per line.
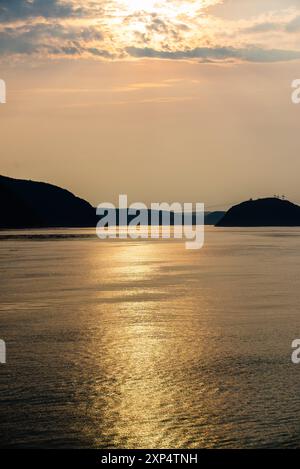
(212,218)
(262,212)
(30,204)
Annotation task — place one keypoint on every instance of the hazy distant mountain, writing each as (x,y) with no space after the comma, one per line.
(262,212)
(30,204)
(212,218)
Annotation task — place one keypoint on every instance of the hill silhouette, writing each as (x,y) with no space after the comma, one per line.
(31,204)
(269,211)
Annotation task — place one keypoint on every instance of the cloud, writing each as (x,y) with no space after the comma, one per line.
(264,27)
(146,85)
(252,54)
(294,25)
(174,29)
(48,39)
(20,9)
(245,9)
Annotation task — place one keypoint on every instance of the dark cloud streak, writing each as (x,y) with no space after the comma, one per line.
(11,10)
(251,54)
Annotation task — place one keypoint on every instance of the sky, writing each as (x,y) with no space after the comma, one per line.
(175,100)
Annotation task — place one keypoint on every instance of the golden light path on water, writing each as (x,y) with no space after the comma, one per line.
(144,344)
(147,392)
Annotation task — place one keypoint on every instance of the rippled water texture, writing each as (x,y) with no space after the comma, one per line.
(146,344)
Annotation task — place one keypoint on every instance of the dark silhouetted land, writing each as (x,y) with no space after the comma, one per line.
(32,204)
(262,212)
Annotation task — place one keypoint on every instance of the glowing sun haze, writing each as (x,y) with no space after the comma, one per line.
(203,30)
(183,100)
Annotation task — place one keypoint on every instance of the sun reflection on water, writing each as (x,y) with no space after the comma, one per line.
(137,352)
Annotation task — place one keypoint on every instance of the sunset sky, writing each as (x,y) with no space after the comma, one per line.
(175,100)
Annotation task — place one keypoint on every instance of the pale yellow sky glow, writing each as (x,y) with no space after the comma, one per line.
(163,100)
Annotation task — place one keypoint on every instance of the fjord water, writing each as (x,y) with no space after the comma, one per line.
(145,344)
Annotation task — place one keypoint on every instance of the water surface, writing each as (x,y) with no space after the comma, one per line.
(146,344)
